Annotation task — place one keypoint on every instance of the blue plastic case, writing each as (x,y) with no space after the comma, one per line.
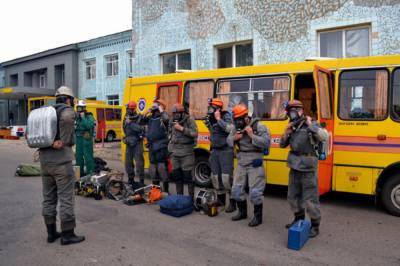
(298,234)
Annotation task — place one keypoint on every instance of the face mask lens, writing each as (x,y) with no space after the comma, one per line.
(177,116)
(210,110)
(293,115)
(240,124)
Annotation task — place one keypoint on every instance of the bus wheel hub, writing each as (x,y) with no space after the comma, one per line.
(396,196)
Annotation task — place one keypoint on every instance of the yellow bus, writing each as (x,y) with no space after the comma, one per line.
(108,117)
(357,100)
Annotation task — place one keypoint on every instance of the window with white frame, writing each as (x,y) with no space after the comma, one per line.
(42,81)
(130,62)
(347,42)
(113,99)
(90,69)
(235,55)
(174,61)
(112,65)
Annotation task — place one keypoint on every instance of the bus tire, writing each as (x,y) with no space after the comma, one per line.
(110,136)
(202,171)
(390,195)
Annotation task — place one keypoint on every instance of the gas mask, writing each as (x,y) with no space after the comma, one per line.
(210,114)
(155,110)
(81,109)
(131,114)
(211,110)
(177,117)
(240,123)
(293,115)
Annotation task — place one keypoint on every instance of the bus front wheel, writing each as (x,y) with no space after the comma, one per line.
(202,171)
(391,195)
(110,136)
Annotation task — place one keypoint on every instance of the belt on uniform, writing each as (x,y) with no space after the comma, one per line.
(250,151)
(303,154)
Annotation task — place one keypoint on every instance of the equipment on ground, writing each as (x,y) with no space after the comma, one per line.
(93,185)
(176,205)
(206,201)
(28,170)
(298,234)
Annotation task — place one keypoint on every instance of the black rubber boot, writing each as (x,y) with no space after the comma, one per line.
(191,190)
(178,176)
(156,182)
(179,187)
(314,231)
(187,177)
(131,179)
(68,237)
(52,234)
(297,216)
(166,187)
(142,180)
(242,211)
(257,219)
(221,200)
(231,207)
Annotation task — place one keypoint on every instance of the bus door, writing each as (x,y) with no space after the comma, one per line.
(101,124)
(325,101)
(171,93)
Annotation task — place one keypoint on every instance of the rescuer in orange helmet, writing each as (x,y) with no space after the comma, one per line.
(133,139)
(219,123)
(252,140)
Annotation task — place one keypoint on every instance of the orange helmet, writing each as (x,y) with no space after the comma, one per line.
(217,102)
(160,102)
(178,108)
(131,105)
(240,110)
(293,103)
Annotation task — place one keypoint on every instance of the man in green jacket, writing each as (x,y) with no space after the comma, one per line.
(84,129)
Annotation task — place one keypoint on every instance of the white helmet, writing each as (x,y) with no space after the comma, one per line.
(64,90)
(82,103)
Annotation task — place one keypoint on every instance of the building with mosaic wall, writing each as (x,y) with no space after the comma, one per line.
(168,35)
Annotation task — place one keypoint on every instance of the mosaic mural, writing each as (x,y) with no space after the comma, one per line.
(376,3)
(287,20)
(204,18)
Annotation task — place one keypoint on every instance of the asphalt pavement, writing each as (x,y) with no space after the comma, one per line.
(353,231)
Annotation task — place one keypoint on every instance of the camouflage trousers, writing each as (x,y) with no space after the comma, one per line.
(221,163)
(254,177)
(303,193)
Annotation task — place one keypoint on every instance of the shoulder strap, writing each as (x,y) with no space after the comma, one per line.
(59,109)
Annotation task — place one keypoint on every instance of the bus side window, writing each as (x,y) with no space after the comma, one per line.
(169,94)
(196,95)
(264,96)
(396,95)
(117,114)
(109,114)
(363,94)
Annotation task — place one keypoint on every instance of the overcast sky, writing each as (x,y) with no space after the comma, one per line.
(31,26)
